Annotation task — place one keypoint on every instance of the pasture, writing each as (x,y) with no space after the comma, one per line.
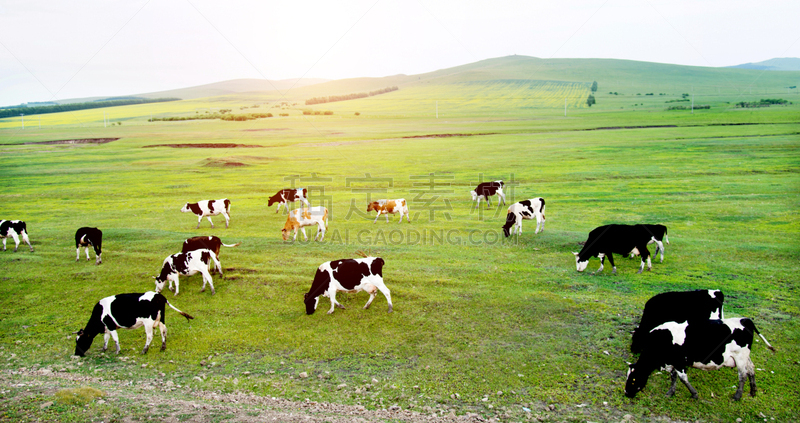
(505,328)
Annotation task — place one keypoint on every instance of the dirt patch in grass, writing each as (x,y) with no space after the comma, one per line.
(206,145)
(265,129)
(611,128)
(223,163)
(450,135)
(77,141)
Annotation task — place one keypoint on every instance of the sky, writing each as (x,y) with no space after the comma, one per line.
(54,50)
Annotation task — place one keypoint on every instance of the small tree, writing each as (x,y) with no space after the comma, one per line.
(594,86)
(590,100)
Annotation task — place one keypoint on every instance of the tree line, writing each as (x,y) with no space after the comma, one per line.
(333,98)
(40,110)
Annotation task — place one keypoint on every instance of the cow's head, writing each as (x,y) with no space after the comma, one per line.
(285,233)
(82,343)
(311,303)
(186,208)
(474,195)
(159,283)
(636,381)
(580,265)
(274,199)
(372,206)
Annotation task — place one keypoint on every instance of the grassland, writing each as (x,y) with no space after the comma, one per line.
(474,315)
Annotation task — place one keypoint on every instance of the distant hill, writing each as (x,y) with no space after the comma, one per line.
(233,86)
(777,64)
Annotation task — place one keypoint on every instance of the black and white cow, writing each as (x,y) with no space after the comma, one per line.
(486,190)
(208,208)
(348,275)
(128,311)
(84,237)
(683,306)
(604,241)
(187,264)
(527,209)
(702,344)
(659,233)
(285,196)
(14,229)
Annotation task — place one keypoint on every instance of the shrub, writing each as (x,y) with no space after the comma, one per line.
(590,100)
(594,86)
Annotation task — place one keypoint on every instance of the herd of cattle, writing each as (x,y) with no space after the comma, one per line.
(677,329)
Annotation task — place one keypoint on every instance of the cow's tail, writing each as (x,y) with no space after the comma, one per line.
(665,235)
(227,206)
(232,245)
(541,210)
(216,262)
(748,324)
(186,315)
(325,219)
(511,218)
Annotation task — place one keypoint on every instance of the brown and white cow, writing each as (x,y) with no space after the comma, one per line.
(284,196)
(212,243)
(388,207)
(208,208)
(306,216)
(486,190)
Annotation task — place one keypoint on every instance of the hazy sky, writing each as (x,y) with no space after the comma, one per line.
(67,49)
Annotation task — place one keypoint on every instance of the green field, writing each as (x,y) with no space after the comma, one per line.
(474,314)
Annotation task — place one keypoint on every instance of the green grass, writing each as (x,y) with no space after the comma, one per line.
(473,315)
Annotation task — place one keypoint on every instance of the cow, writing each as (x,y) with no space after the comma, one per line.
(208,208)
(702,344)
(306,216)
(348,275)
(604,241)
(527,209)
(212,243)
(284,196)
(682,306)
(128,311)
(486,190)
(187,264)
(388,207)
(84,237)
(659,233)
(14,229)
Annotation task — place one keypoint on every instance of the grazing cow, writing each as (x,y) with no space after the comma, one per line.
(659,233)
(349,275)
(284,196)
(388,207)
(306,216)
(85,237)
(486,190)
(703,344)
(128,311)
(187,264)
(14,229)
(527,209)
(613,239)
(683,306)
(212,243)
(208,208)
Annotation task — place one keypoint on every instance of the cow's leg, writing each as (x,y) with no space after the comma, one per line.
(385,291)
(376,217)
(148,330)
(739,389)
(207,278)
(16,241)
(408,216)
(751,375)
(78,253)
(105,340)
(488,201)
(163,328)
(199,219)
(685,380)
(602,258)
(116,339)
(611,261)
(661,248)
(227,219)
(305,237)
(4,244)
(320,232)
(209,221)
(177,284)
(674,383)
(479,202)
(277,210)
(387,217)
(332,295)
(371,290)
(87,253)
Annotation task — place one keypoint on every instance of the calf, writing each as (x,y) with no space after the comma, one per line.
(486,190)
(604,241)
(284,196)
(659,236)
(306,216)
(388,207)
(187,264)
(527,209)
(349,275)
(703,344)
(208,208)
(685,306)
(212,243)
(128,311)
(84,237)
(14,229)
